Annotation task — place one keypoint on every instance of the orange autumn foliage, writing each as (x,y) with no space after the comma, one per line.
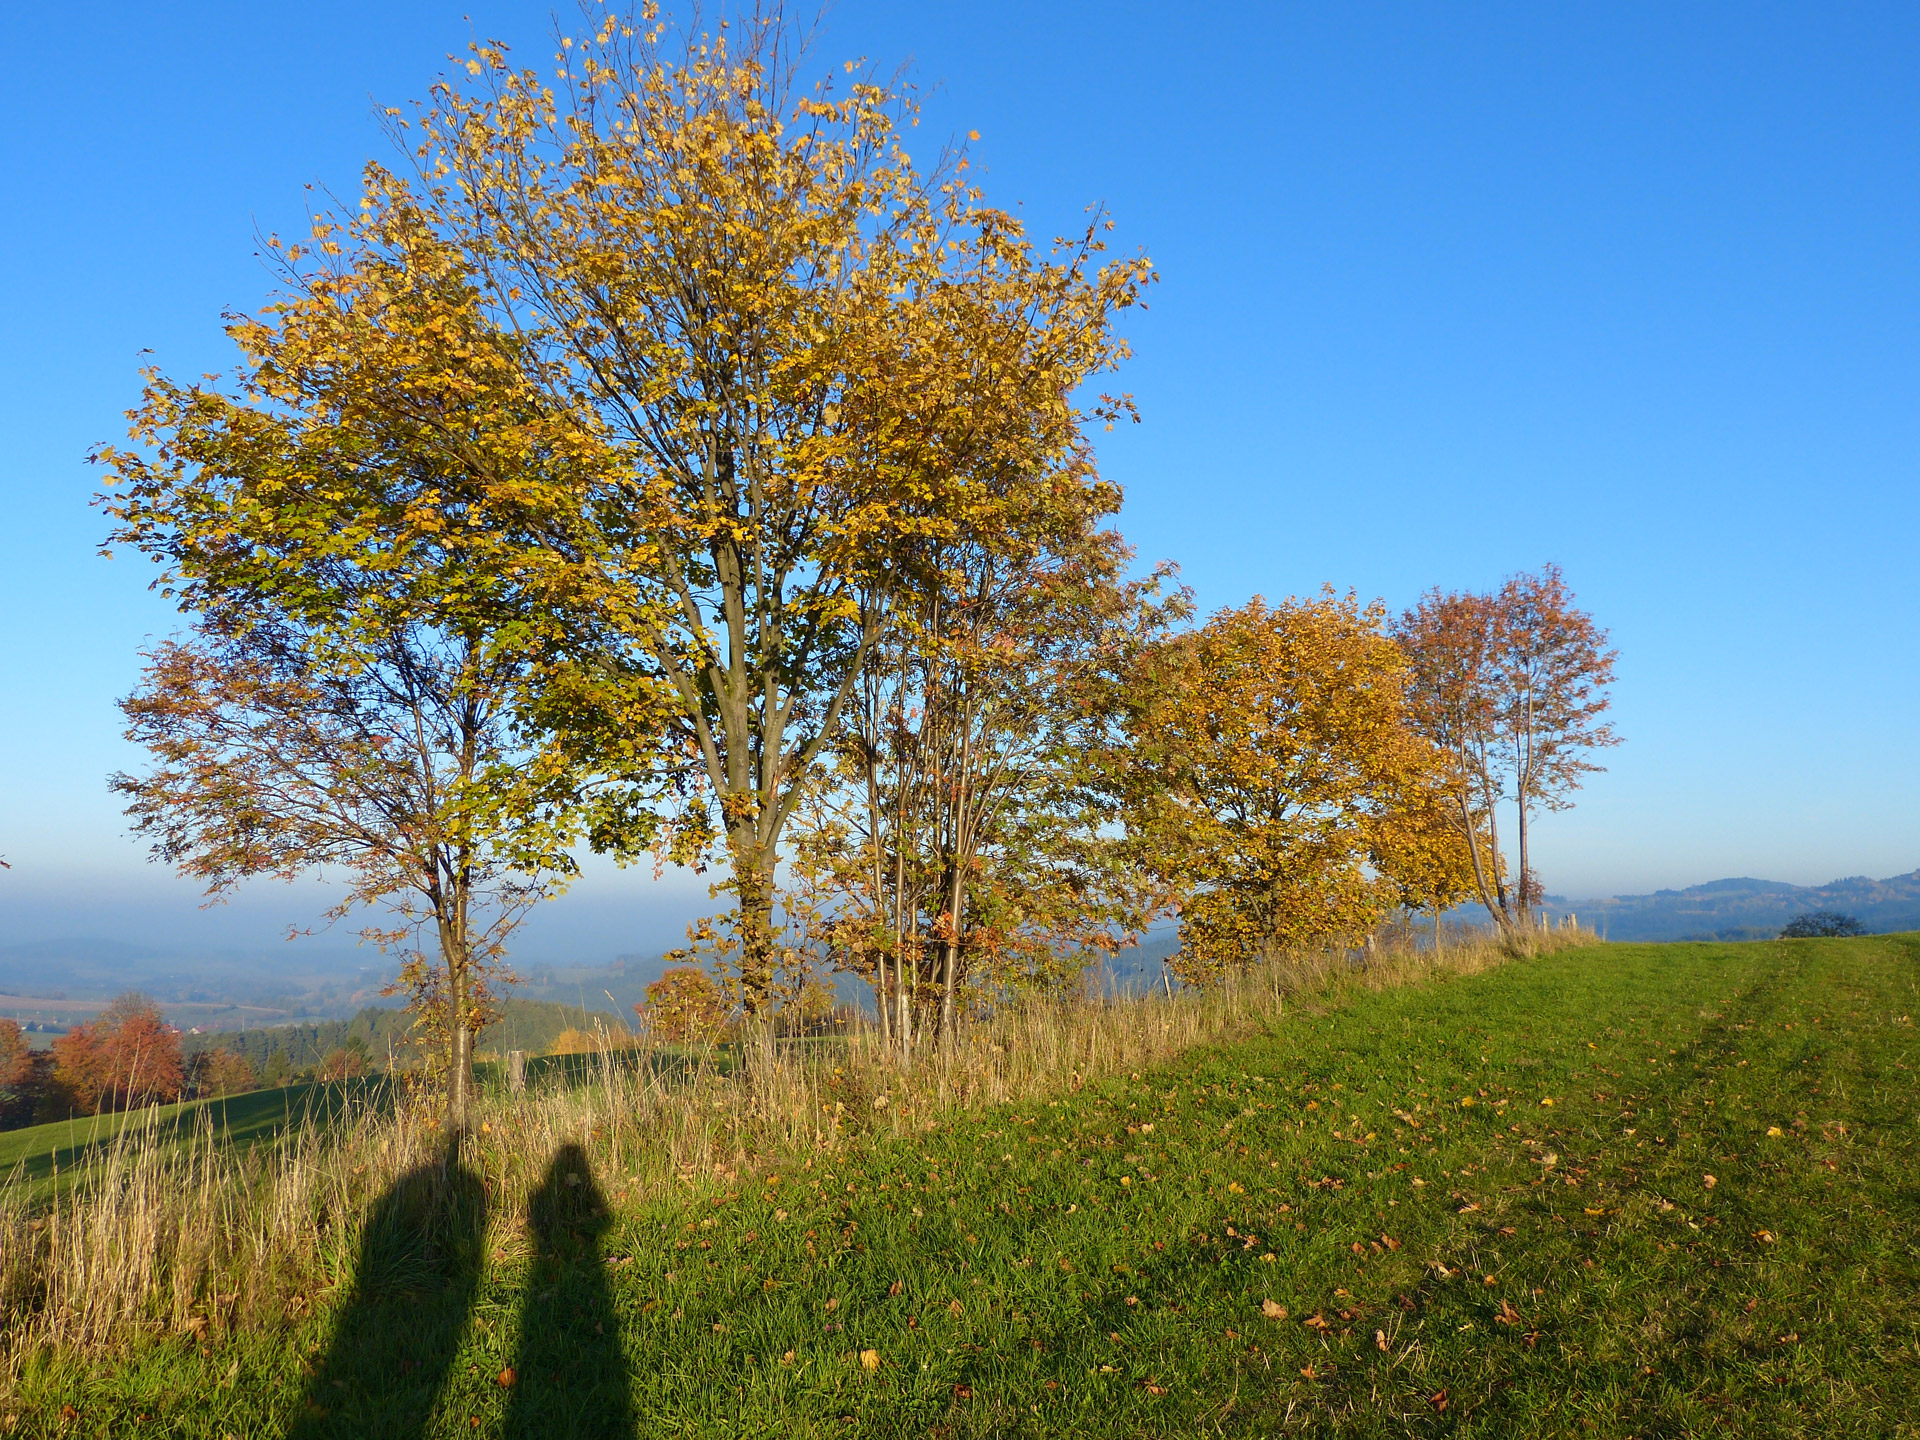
(128,1056)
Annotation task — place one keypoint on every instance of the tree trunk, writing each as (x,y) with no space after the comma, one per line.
(753,901)
(459,1043)
(1526,899)
(906,972)
(949,979)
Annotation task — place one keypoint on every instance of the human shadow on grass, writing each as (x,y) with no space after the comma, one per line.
(413,1286)
(571,1375)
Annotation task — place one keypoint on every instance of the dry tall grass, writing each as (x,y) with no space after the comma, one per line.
(160,1235)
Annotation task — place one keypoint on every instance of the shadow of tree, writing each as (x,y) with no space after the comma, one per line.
(571,1375)
(413,1287)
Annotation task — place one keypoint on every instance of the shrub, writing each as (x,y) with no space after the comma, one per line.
(572,1041)
(1821,924)
(343,1064)
(683,1007)
(222,1072)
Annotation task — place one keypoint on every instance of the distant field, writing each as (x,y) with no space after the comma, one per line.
(38,1152)
(1633,1190)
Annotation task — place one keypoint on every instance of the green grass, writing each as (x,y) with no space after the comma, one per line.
(1504,1268)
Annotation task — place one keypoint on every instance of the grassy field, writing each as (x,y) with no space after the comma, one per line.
(39,1153)
(1628,1190)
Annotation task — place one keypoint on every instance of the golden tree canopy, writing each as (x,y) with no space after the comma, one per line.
(1282,766)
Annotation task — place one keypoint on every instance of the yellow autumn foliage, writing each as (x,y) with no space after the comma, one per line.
(1285,776)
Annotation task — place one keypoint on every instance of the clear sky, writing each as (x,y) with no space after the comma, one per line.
(1449,291)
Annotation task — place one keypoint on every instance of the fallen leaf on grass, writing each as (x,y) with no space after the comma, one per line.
(1273,1310)
(1765,1237)
(506,1378)
(1389,1242)
(1508,1315)
(870,1359)
(1774,1132)
(1153,1389)
(1438,1399)
(1708,1181)
(1379,1339)
(963,1392)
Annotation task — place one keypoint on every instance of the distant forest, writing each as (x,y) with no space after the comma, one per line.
(530,1025)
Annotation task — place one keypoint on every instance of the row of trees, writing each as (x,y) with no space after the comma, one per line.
(661,459)
(126,1057)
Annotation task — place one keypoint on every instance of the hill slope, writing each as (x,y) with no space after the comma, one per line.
(1745,909)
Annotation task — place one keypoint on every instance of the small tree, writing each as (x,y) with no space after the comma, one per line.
(1281,759)
(367,537)
(1512,689)
(964,838)
(1822,924)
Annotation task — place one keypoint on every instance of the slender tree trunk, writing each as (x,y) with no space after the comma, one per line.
(453,952)
(908,972)
(1525,898)
(949,977)
(1436,927)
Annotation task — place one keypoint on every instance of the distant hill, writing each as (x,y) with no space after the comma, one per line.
(53,984)
(1745,909)
(272,985)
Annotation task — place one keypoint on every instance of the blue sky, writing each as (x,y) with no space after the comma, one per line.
(1448,291)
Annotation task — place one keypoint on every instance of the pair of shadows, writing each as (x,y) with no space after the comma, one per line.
(386,1371)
